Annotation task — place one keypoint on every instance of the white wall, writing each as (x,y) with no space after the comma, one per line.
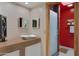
(13,12)
(37,13)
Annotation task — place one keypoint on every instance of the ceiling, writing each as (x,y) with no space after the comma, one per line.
(63,5)
(30,4)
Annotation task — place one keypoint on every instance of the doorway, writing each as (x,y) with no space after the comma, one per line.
(66,27)
(75,46)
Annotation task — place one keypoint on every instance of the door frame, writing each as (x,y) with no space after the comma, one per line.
(76,34)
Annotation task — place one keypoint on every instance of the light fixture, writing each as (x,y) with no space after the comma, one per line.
(26,3)
(70,5)
(66,3)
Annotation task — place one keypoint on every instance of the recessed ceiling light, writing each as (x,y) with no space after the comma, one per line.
(70,5)
(26,3)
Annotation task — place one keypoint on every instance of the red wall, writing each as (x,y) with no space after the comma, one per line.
(66,38)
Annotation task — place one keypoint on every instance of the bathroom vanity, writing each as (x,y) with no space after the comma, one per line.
(17,44)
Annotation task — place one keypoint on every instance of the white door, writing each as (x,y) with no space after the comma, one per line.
(53,33)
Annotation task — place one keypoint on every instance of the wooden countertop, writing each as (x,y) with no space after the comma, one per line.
(16,44)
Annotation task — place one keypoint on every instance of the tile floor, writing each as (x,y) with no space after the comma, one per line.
(70,52)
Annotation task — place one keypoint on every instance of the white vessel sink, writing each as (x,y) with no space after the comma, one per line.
(28,36)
